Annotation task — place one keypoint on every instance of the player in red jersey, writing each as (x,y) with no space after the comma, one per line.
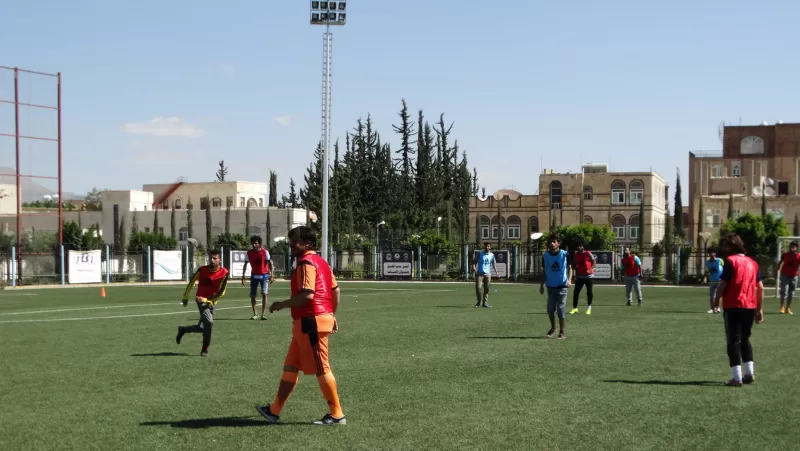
(315,298)
(741,292)
(789,266)
(260,274)
(212,279)
(583,264)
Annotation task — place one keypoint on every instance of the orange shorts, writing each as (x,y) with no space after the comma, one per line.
(308,351)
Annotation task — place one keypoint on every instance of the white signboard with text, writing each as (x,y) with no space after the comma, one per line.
(167,265)
(85,266)
(237,261)
(604,265)
(397,264)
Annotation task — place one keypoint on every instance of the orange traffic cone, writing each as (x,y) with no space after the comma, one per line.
(102,292)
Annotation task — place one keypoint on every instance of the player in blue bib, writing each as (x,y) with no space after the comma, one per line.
(557,276)
(714,267)
(483,266)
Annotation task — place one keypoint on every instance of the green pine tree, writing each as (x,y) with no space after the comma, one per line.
(189,223)
(678,215)
(155,220)
(209,237)
(172,226)
(642,228)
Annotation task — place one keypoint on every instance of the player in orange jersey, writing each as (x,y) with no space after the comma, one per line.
(315,298)
(212,279)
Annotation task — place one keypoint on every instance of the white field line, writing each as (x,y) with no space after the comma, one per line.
(50,320)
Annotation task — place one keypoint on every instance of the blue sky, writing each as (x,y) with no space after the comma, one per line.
(630,83)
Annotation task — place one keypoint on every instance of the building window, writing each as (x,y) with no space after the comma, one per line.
(229,201)
(147,230)
(737,214)
(203,203)
(588,194)
(161,230)
(498,224)
(587,219)
(178,204)
(736,169)
(637,192)
(260,202)
(216,202)
(241,202)
(183,234)
(751,145)
(618,193)
(534,224)
(713,217)
(251,202)
(633,227)
(514,228)
(716,170)
(783,188)
(555,195)
(618,226)
(485,223)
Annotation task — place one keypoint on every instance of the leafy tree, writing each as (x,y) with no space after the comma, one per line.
(273,189)
(292,200)
(93,200)
(222,171)
(760,236)
(678,215)
(311,194)
(134,224)
(189,223)
(596,237)
(172,226)
(235,241)
(156,241)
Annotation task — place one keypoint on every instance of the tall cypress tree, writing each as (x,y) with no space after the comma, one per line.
(678,214)
(134,224)
(273,189)
(228,219)
(730,207)
(209,242)
(246,219)
(268,232)
(796,227)
(155,220)
(189,222)
(172,226)
(642,229)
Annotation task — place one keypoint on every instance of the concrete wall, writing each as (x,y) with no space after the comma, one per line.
(8,199)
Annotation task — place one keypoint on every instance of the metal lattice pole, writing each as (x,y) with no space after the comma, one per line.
(327,43)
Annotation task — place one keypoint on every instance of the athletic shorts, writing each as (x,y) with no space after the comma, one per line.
(255,281)
(308,351)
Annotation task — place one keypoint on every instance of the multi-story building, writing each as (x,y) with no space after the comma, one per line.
(600,196)
(755,160)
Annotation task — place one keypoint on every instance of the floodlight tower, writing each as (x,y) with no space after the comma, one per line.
(327,13)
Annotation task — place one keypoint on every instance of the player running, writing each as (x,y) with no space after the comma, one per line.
(741,292)
(212,280)
(631,268)
(260,274)
(557,276)
(790,263)
(583,268)
(482,266)
(315,298)
(713,275)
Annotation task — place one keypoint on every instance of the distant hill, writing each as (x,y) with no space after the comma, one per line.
(32,191)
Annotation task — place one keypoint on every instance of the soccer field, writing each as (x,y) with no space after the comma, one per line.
(417,366)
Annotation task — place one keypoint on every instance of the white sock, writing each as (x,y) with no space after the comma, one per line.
(737,372)
(749,368)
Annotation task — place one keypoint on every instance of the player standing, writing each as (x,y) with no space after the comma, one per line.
(315,298)
(482,267)
(631,268)
(742,294)
(714,267)
(583,268)
(212,279)
(260,274)
(790,263)
(557,276)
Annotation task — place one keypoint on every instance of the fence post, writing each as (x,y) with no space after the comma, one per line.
(14,266)
(149,264)
(108,264)
(465,260)
(63,265)
(419,262)
(375,262)
(678,266)
(187,268)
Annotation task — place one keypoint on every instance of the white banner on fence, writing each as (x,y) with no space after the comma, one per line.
(85,266)
(167,265)
(604,265)
(238,258)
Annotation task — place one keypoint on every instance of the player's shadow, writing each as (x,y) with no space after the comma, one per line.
(161,354)
(508,338)
(453,306)
(674,383)
(225,422)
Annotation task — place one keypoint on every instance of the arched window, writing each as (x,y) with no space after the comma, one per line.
(751,145)
(498,226)
(633,227)
(177,204)
(555,195)
(637,192)
(514,228)
(183,234)
(216,202)
(534,224)
(588,193)
(618,192)
(618,225)
(685,217)
(485,222)
(252,202)
(587,219)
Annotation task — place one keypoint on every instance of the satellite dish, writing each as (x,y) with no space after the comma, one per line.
(769,181)
(769,191)
(482,198)
(764,123)
(756,190)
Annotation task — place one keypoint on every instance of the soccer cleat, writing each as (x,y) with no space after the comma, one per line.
(734,383)
(589,311)
(781,310)
(329,420)
(629,303)
(711,311)
(263,318)
(789,311)
(573,311)
(203,353)
(179,337)
(486,305)
(269,416)
(550,333)
(748,379)
(640,303)
(254,317)
(478,304)
(561,335)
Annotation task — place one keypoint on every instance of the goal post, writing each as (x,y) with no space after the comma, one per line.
(783,244)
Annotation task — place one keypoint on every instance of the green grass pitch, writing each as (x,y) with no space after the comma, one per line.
(418,368)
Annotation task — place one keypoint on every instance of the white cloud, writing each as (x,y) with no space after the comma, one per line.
(284,121)
(161,126)
(227,69)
